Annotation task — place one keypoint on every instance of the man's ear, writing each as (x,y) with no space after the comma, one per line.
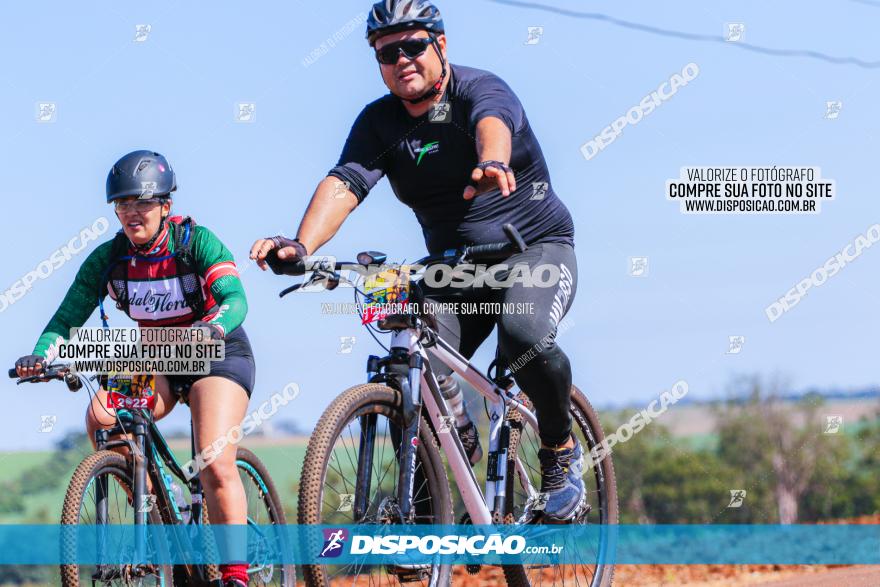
(441,40)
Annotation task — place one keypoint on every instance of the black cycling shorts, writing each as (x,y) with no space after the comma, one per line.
(238,365)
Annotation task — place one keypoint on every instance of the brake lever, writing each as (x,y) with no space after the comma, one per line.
(331,277)
(33,379)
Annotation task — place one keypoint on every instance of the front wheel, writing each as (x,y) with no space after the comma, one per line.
(524,480)
(364,424)
(99,495)
(264,509)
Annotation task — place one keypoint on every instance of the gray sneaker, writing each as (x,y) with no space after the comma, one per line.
(562,482)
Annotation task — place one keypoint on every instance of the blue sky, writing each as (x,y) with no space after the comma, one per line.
(709,277)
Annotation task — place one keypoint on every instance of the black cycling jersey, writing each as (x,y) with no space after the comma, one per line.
(429,163)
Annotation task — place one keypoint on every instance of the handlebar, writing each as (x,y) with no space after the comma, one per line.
(515,244)
(487,252)
(60,372)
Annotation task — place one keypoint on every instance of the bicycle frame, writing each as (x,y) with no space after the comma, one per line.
(149,441)
(407,349)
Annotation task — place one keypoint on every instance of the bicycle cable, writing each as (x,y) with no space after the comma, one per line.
(93,395)
(369,325)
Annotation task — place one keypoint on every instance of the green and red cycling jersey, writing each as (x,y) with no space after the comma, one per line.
(154,291)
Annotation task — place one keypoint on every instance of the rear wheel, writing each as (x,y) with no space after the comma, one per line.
(105,476)
(327,489)
(524,479)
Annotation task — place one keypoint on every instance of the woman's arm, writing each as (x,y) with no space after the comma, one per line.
(217,265)
(78,304)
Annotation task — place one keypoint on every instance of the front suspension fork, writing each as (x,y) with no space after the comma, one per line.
(412,415)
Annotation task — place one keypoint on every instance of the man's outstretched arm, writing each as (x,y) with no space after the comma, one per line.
(331,204)
(493,144)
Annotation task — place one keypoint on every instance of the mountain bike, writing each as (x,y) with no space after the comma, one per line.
(375,454)
(108,488)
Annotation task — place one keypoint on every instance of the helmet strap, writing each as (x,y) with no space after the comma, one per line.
(435,89)
(145,248)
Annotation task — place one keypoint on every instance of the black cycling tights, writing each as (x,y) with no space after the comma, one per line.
(527,326)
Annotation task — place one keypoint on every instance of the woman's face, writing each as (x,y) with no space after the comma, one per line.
(140,218)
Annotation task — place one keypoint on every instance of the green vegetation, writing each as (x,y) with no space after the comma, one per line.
(779,453)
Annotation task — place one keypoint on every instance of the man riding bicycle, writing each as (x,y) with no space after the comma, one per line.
(166,271)
(458,149)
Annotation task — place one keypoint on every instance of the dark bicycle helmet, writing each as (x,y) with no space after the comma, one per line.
(392,16)
(146,174)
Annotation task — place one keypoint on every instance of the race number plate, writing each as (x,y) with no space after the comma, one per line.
(131,392)
(387,293)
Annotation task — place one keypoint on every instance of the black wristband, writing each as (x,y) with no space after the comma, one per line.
(492,163)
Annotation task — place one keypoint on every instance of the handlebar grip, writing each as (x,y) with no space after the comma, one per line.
(515,238)
(477,251)
(13,374)
(285,267)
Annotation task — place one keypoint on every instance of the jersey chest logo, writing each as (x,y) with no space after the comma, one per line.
(418,151)
(156,300)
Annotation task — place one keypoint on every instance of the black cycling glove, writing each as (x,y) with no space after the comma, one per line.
(290,265)
(30,362)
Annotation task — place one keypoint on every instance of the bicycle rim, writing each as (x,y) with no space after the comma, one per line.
(601,494)
(328,492)
(109,470)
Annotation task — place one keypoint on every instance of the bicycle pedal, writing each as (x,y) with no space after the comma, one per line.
(409,573)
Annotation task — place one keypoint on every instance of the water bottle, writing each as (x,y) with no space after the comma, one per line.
(451,390)
(177,493)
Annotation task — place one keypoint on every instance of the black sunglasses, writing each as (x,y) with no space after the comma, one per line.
(411,48)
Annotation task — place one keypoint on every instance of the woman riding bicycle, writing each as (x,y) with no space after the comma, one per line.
(166,271)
